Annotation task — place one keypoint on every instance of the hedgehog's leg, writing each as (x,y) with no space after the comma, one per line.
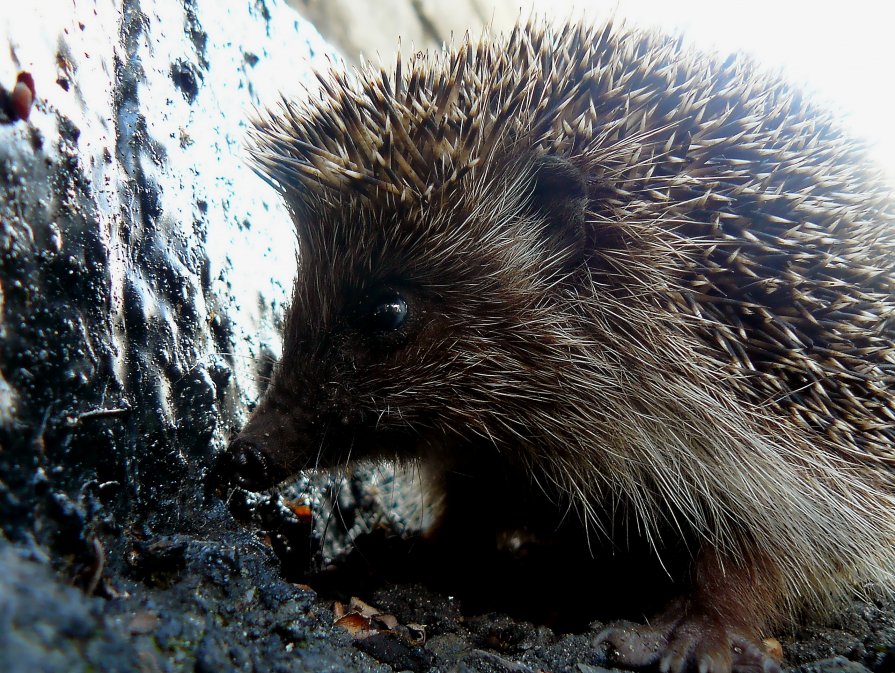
(717,628)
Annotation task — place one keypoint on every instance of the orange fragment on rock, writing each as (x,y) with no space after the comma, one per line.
(301,511)
(773,647)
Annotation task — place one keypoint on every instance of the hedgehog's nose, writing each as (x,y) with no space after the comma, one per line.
(244,464)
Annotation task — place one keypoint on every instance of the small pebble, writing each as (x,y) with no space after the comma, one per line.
(22,96)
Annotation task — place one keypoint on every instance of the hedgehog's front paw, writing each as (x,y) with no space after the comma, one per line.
(695,643)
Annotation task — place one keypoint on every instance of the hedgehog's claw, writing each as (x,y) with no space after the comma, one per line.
(632,645)
(693,644)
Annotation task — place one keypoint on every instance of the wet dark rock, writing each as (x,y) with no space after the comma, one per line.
(833,665)
(130,338)
(187,78)
(480,661)
(391,649)
(45,626)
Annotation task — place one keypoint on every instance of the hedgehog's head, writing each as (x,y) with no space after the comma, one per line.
(416,326)
(435,237)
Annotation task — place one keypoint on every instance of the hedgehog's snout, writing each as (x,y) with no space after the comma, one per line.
(246,464)
(255,458)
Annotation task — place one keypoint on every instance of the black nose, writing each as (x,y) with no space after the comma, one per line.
(244,464)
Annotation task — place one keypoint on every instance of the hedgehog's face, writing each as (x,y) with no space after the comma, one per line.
(414,330)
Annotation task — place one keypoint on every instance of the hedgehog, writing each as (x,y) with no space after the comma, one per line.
(601,286)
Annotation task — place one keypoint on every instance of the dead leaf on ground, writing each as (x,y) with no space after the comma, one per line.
(362,620)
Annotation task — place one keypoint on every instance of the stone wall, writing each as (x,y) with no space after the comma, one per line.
(374,28)
(143,273)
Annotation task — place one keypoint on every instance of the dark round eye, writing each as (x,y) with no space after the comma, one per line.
(386,313)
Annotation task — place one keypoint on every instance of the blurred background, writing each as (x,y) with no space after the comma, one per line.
(841,53)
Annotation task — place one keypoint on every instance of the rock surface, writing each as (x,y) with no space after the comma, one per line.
(144,270)
(358,27)
(143,274)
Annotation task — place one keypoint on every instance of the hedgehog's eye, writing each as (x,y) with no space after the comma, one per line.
(385,312)
(388,315)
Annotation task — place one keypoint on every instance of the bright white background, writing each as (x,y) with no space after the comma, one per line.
(842,52)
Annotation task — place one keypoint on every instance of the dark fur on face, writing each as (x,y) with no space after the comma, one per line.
(651,287)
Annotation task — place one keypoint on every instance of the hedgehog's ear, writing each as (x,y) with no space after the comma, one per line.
(559,194)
